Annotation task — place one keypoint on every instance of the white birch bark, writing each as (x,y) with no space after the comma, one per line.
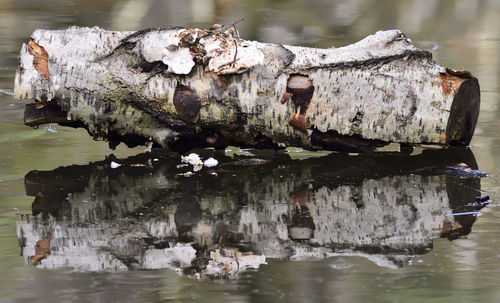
(185,88)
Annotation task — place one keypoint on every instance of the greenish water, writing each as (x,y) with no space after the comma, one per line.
(376,219)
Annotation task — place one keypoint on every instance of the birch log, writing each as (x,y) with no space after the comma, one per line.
(184,88)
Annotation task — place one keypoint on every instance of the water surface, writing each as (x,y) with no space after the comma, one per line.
(341,228)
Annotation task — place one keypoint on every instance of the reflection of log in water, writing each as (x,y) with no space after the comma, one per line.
(146,217)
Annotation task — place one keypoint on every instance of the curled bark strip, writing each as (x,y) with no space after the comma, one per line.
(40,58)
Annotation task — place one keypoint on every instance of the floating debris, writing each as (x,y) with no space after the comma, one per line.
(175,256)
(228,262)
(138,165)
(114,164)
(52,129)
(435,47)
(295,150)
(464,170)
(482,201)
(249,161)
(192,158)
(186,174)
(210,162)
(195,160)
(233,151)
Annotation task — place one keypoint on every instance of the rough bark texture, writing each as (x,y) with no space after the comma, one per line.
(184,88)
(147,217)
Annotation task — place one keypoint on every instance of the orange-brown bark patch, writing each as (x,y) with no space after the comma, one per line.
(40,58)
(42,249)
(299,122)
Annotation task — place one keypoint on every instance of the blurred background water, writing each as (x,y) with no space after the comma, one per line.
(460,34)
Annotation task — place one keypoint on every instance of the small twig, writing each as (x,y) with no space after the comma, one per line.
(235,51)
(219,29)
(235,40)
(232,62)
(233,25)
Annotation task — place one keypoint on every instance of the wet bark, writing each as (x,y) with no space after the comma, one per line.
(185,88)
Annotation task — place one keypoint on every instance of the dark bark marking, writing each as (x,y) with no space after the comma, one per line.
(155,67)
(399,37)
(207,137)
(136,101)
(129,42)
(187,103)
(356,121)
(285,56)
(302,226)
(131,140)
(408,55)
(332,140)
(459,73)
(44,112)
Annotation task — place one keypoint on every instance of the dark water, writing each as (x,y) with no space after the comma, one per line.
(341,228)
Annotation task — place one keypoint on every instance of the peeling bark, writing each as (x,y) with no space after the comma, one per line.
(185,88)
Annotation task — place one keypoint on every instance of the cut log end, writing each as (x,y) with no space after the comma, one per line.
(464,113)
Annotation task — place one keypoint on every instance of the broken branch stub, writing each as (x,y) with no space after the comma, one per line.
(185,88)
